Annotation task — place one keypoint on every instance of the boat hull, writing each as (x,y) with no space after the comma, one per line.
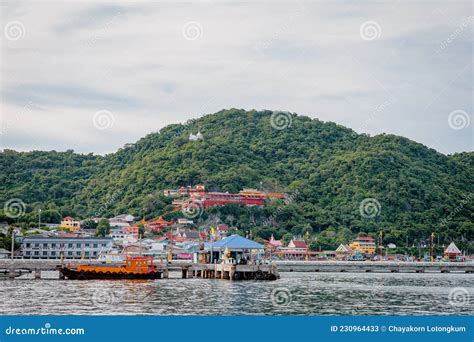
(90,275)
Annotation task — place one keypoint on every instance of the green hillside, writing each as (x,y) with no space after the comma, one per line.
(328,168)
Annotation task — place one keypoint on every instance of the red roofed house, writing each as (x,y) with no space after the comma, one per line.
(273,244)
(453,253)
(296,245)
(222,230)
(297,250)
(343,251)
(363,244)
(70,225)
(133,230)
(158,225)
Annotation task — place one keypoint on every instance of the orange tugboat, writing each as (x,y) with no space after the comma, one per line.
(137,267)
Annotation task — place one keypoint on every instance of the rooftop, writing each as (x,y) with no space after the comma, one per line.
(81,238)
(364,238)
(237,242)
(298,243)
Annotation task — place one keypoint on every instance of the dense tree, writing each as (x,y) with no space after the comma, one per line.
(103,228)
(326,170)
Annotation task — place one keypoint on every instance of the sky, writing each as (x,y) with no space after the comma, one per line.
(94,75)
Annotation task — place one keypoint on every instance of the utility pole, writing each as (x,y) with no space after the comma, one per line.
(380,244)
(432,246)
(39,218)
(306,235)
(13,243)
(211,238)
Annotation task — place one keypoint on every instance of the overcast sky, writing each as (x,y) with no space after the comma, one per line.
(94,75)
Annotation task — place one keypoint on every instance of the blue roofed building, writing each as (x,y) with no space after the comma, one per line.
(240,248)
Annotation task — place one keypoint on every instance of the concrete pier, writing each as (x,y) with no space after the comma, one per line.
(233,272)
(375,266)
(14,268)
(37,274)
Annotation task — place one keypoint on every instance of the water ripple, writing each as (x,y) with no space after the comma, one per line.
(293,294)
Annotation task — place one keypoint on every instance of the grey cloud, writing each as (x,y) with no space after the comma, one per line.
(65,95)
(306,57)
(90,18)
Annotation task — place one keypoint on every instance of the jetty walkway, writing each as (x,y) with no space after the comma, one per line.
(14,268)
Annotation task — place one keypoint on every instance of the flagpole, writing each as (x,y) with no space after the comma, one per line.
(210,236)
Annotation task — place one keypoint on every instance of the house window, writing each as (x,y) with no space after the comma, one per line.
(87,245)
(78,253)
(87,253)
(28,253)
(45,245)
(37,253)
(53,245)
(78,245)
(37,244)
(69,253)
(53,253)
(69,245)
(45,253)
(95,245)
(27,245)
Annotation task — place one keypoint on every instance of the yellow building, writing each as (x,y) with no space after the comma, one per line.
(69,224)
(364,244)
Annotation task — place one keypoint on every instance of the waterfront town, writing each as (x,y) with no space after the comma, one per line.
(182,239)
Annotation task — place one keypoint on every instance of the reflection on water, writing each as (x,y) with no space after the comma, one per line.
(293,294)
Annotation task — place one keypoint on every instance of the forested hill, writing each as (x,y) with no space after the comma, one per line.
(328,168)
